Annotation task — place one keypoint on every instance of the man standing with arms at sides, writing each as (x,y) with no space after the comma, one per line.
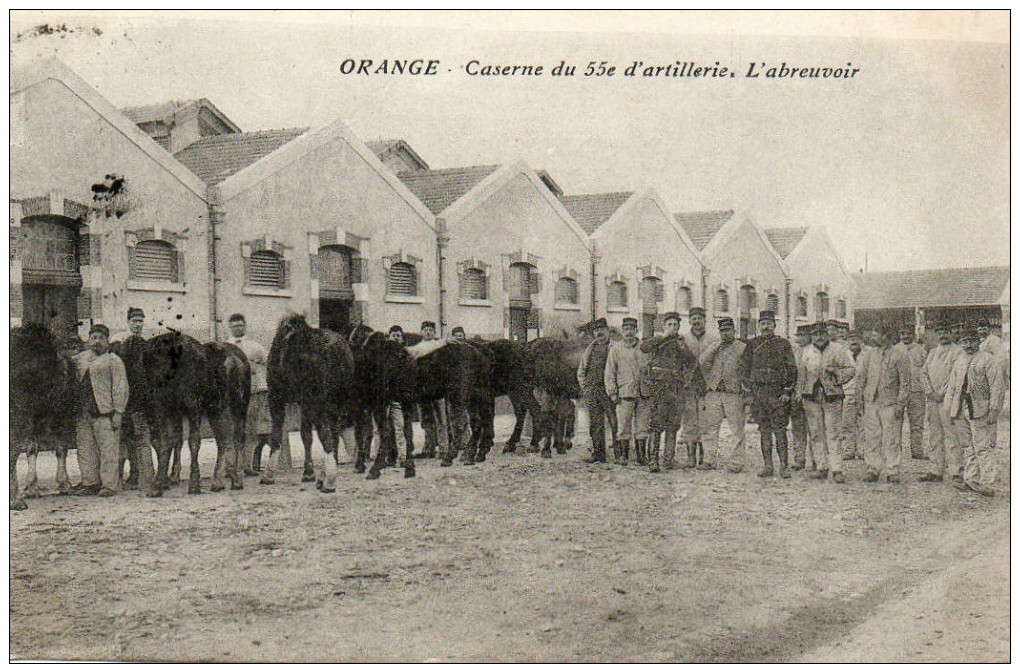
(996,347)
(853,407)
(258,427)
(973,401)
(698,342)
(103,387)
(135,434)
(942,447)
(884,383)
(916,355)
(798,421)
(769,374)
(721,367)
(591,375)
(625,366)
(827,366)
(667,355)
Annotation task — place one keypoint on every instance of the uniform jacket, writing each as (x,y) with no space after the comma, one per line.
(984,386)
(853,386)
(993,345)
(592,370)
(935,373)
(108,378)
(666,358)
(258,359)
(625,366)
(832,366)
(132,351)
(884,376)
(916,355)
(721,366)
(699,346)
(768,361)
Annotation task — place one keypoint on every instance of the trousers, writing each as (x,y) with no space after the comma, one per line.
(772,416)
(632,418)
(99,452)
(599,408)
(715,407)
(942,446)
(853,414)
(799,432)
(136,445)
(883,428)
(977,442)
(915,412)
(825,424)
(667,413)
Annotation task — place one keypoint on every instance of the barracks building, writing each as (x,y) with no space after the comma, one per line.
(174,209)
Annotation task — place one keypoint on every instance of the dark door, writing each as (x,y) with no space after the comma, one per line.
(52,305)
(518,324)
(335,315)
(647,325)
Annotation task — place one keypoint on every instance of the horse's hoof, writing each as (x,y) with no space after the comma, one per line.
(31,493)
(408,472)
(480,458)
(507,449)
(19,505)
(546,454)
(194,488)
(267,480)
(216,488)
(561,450)
(359,469)
(445,463)
(372,474)
(318,484)
(308,477)
(323,489)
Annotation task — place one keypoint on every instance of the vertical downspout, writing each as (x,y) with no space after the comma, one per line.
(441,241)
(787,282)
(594,279)
(704,289)
(215,218)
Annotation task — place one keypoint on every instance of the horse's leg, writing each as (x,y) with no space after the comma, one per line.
(194,445)
(362,439)
(277,412)
(32,479)
(409,470)
(220,433)
(459,419)
(536,421)
(237,423)
(161,437)
(308,475)
(176,449)
(63,482)
(520,412)
(17,502)
(328,431)
(383,414)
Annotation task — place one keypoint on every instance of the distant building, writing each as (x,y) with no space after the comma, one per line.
(923,297)
(821,286)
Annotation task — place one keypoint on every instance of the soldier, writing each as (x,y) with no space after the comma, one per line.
(396,333)
(673,377)
(458,334)
(591,375)
(625,366)
(943,449)
(916,355)
(884,383)
(853,407)
(994,346)
(833,331)
(698,342)
(769,375)
(826,366)
(258,425)
(798,421)
(135,435)
(974,399)
(721,368)
(431,415)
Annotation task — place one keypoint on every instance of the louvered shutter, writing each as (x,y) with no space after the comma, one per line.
(772,302)
(722,301)
(265,270)
(334,271)
(520,284)
(473,284)
(153,260)
(534,282)
(802,306)
(660,291)
(357,270)
(402,280)
(566,290)
(617,295)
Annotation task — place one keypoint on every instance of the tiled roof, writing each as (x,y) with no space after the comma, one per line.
(785,240)
(592,210)
(154,112)
(931,288)
(215,158)
(702,226)
(438,189)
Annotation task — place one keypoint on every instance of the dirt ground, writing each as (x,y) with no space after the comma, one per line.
(519,558)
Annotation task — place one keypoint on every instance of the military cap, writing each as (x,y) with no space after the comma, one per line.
(599,323)
(725,321)
(455,330)
(820,327)
(135,312)
(804,329)
(428,323)
(697,311)
(396,328)
(629,321)
(672,315)
(233,318)
(767,314)
(100,328)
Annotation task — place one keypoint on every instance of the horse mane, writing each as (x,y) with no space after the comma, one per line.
(423,348)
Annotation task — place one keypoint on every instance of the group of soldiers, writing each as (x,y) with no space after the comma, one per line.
(842,394)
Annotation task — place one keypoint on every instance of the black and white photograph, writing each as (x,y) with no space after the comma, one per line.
(467,335)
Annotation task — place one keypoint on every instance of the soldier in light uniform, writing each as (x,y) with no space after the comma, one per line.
(916,355)
(769,375)
(996,347)
(591,375)
(974,401)
(259,424)
(625,366)
(884,383)
(827,367)
(724,399)
(698,341)
(853,407)
(943,449)
(798,421)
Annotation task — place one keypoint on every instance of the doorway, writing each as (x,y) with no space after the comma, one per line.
(55,306)
(335,314)
(519,323)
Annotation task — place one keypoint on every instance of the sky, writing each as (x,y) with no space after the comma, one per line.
(906,165)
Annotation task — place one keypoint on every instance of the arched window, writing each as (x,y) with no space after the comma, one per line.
(802,305)
(617,295)
(153,260)
(651,291)
(841,309)
(474,285)
(336,271)
(266,270)
(772,302)
(402,279)
(722,301)
(748,298)
(683,299)
(523,283)
(566,290)
(822,305)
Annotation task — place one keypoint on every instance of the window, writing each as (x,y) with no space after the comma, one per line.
(523,282)
(335,271)
(617,295)
(651,291)
(841,309)
(474,285)
(266,270)
(802,305)
(772,302)
(566,290)
(683,299)
(402,280)
(153,260)
(722,301)
(822,305)
(748,298)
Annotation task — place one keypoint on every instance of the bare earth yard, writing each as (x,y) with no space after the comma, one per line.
(519,558)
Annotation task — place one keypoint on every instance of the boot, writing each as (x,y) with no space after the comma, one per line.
(617,452)
(624,452)
(653,456)
(640,449)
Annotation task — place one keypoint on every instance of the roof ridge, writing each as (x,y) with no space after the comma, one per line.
(442,171)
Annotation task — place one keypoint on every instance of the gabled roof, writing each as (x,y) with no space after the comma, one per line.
(164,111)
(438,189)
(703,226)
(215,158)
(592,210)
(785,240)
(381,147)
(931,288)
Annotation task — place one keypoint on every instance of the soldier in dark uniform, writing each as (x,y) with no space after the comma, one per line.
(673,375)
(135,435)
(769,374)
(591,375)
